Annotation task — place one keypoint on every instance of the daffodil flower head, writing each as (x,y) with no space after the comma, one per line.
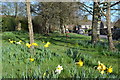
(11,41)
(80,63)
(99,68)
(28,45)
(35,44)
(102,72)
(44,74)
(58,69)
(109,70)
(20,40)
(31,59)
(46,45)
(103,66)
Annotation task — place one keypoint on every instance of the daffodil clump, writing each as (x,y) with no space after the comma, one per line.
(47,44)
(80,63)
(58,69)
(15,42)
(102,68)
(33,44)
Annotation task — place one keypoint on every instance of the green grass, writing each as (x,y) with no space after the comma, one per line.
(63,51)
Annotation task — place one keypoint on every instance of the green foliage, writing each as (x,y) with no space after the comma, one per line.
(8,23)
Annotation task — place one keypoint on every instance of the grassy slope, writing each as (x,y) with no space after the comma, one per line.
(59,45)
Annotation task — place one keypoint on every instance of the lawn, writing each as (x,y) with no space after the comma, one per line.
(64,51)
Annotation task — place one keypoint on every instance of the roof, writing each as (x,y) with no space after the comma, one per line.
(117,23)
(104,23)
(85,22)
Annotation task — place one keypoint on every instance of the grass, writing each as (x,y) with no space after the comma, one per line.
(63,51)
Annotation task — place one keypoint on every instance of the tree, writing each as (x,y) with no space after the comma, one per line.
(31,35)
(96,23)
(108,19)
(54,14)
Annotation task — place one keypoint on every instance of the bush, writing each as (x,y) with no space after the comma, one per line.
(8,23)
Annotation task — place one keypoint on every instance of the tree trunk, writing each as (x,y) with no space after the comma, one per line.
(108,19)
(31,35)
(16,9)
(95,23)
(61,19)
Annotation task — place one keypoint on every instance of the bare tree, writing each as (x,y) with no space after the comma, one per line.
(31,35)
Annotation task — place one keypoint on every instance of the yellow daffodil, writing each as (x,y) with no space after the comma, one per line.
(46,45)
(35,44)
(102,72)
(31,59)
(109,70)
(11,41)
(28,45)
(103,66)
(20,41)
(99,68)
(80,63)
(43,42)
(44,74)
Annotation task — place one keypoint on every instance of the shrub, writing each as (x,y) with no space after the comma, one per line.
(8,23)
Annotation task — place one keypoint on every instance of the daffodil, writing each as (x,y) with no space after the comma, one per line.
(44,74)
(109,70)
(43,42)
(18,42)
(35,44)
(101,66)
(28,45)
(58,69)
(31,59)
(46,45)
(80,63)
(102,72)
(11,41)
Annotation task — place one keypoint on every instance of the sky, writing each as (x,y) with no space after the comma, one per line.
(114,16)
